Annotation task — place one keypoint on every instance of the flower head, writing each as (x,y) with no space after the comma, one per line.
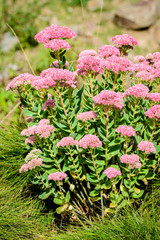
(88,52)
(153,112)
(50,103)
(147,147)
(155,97)
(89,64)
(57,44)
(57,176)
(36,162)
(132,160)
(67,141)
(145,76)
(87,116)
(117,64)
(108,51)
(126,130)
(43,130)
(124,40)
(54,32)
(35,153)
(90,140)
(112,172)
(109,98)
(138,91)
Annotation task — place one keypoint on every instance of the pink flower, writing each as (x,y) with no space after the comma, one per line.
(112,172)
(43,130)
(54,32)
(55,63)
(155,97)
(50,103)
(31,165)
(145,76)
(67,141)
(87,116)
(57,176)
(22,80)
(126,130)
(124,39)
(153,112)
(90,141)
(57,44)
(132,160)
(139,58)
(117,64)
(89,64)
(108,51)
(109,98)
(30,140)
(63,77)
(88,52)
(29,119)
(147,147)
(137,91)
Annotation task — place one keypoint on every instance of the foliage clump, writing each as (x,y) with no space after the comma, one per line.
(98,145)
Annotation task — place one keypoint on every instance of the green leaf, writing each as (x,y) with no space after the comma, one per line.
(150,175)
(142,174)
(67,197)
(47,160)
(58,201)
(59,210)
(45,195)
(94,193)
(124,191)
(139,195)
(28,113)
(92,178)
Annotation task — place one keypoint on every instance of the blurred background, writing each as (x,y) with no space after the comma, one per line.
(94,21)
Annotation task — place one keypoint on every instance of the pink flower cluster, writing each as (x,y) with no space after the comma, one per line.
(67,141)
(87,116)
(139,58)
(108,51)
(54,32)
(132,160)
(29,119)
(124,39)
(88,52)
(89,64)
(117,64)
(109,98)
(155,97)
(153,112)
(31,165)
(43,130)
(126,130)
(90,140)
(55,64)
(147,147)
(21,80)
(62,76)
(57,176)
(57,44)
(112,172)
(138,91)
(141,66)
(30,140)
(50,103)
(145,76)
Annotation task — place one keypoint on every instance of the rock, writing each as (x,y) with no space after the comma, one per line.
(138,16)
(94,5)
(8,42)
(156,32)
(5,75)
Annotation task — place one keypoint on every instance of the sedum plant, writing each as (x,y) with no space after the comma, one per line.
(95,149)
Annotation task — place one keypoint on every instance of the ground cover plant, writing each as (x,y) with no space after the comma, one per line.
(92,150)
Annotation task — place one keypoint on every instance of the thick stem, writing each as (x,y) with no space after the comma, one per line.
(115,79)
(65,112)
(154,128)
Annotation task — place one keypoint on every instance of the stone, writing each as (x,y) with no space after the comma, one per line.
(156,32)
(8,42)
(137,16)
